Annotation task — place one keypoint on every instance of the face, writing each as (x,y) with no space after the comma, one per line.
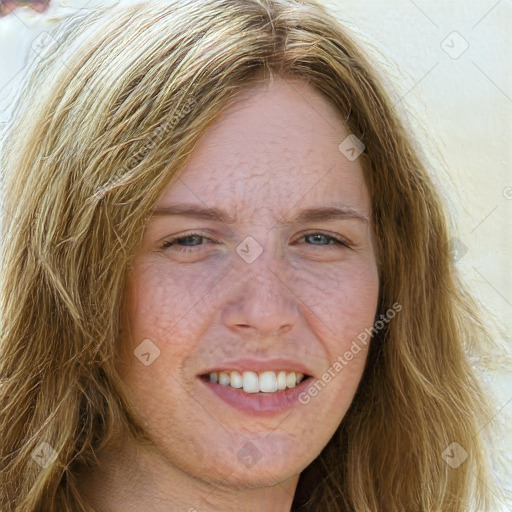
(226,312)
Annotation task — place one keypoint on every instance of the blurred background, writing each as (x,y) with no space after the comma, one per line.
(448,69)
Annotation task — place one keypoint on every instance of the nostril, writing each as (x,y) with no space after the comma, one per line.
(6,7)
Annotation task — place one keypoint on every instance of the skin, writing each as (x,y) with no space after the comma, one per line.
(274,152)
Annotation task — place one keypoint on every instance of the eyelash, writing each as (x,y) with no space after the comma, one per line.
(172,241)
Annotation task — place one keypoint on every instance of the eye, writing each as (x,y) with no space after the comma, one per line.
(332,240)
(181,243)
(187,242)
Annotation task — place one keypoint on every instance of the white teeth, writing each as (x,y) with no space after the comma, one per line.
(281,381)
(236,380)
(268,382)
(291,380)
(223,379)
(252,382)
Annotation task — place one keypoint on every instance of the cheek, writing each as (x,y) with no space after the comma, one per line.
(342,314)
(341,302)
(166,304)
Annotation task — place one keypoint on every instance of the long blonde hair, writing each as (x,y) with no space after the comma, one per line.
(123,96)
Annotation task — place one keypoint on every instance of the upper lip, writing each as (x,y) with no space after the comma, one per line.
(261,365)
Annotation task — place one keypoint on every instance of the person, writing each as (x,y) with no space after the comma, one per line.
(226,276)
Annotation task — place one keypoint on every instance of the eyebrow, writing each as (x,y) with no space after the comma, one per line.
(318,214)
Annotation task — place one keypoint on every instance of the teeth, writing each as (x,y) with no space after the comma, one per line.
(252,382)
(281,381)
(236,380)
(291,380)
(268,382)
(224,379)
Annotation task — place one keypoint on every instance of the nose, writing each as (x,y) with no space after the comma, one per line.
(261,302)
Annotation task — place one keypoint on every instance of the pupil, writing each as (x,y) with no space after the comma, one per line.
(189,238)
(317,237)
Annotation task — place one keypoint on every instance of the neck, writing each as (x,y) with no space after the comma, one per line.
(142,479)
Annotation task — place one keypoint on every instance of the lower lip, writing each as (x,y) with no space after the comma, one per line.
(254,403)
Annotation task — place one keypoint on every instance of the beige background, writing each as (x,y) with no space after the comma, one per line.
(449,67)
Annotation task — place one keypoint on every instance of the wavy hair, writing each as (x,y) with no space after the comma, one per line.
(124,94)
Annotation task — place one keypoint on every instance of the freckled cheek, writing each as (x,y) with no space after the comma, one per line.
(165,304)
(166,307)
(345,300)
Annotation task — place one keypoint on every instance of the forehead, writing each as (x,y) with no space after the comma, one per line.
(276,144)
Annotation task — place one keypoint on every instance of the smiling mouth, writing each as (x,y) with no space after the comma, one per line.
(263,383)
